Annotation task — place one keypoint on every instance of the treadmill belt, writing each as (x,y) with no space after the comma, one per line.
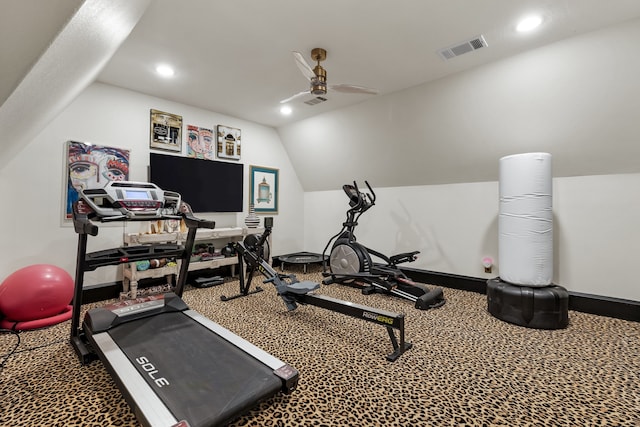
(210,380)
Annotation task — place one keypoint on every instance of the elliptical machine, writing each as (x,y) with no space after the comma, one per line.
(350,263)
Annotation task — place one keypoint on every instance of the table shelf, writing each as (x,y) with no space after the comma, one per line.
(131,275)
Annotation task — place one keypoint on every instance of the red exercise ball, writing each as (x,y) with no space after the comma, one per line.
(35,292)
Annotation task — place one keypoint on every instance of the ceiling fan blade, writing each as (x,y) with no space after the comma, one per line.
(304,67)
(354,89)
(291,98)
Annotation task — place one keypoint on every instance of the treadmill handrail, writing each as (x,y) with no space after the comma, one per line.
(83,220)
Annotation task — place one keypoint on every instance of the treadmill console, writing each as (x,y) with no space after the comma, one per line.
(132,200)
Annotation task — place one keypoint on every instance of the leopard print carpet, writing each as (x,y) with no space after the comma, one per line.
(466,368)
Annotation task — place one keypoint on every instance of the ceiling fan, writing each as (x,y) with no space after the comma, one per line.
(318,77)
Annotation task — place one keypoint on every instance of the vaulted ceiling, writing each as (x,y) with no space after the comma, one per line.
(235,57)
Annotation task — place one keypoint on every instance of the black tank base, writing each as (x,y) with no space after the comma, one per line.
(538,308)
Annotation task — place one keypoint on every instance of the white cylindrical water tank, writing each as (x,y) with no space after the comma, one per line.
(525,223)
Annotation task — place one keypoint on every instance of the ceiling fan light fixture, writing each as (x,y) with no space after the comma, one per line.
(319,84)
(317,77)
(319,88)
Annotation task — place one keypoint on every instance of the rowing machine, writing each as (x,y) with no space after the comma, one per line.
(294,292)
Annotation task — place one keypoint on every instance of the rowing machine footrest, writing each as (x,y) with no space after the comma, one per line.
(432,299)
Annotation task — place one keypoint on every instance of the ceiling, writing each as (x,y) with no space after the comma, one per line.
(234,57)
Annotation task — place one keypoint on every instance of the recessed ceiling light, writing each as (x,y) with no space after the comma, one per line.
(529,23)
(286,110)
(165,70)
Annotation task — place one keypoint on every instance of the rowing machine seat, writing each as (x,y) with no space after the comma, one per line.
(302,288)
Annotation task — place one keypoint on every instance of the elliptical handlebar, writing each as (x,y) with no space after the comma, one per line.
(371,194)
(355,199)
(359,201)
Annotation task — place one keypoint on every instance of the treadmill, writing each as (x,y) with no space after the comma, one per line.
(173,366)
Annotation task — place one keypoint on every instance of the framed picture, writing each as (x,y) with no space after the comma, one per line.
(92,166)
(200,143)
(229,141)
(166,131)
(263,190)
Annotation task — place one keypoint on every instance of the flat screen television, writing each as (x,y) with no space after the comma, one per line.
(206,185)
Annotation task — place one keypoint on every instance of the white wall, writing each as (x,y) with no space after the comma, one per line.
(597,240)
(32,182)
(596,232)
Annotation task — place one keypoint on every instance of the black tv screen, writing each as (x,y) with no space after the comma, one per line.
(206,185)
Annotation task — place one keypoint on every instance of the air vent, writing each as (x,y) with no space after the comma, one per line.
(462,48)
(315,100)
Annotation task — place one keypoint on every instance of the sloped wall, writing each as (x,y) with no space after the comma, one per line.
(577,99)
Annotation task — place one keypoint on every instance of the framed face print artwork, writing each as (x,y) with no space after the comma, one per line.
(92,166)
(200,143)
